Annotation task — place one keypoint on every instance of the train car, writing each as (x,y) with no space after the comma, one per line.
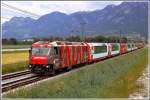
(48,57)
(139,45)
(98,51)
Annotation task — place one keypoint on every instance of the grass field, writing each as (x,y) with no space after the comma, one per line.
(15,46)
(112,78)
(14,61)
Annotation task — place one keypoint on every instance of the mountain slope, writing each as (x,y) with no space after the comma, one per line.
(127,17)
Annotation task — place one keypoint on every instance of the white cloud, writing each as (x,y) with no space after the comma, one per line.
(44,7)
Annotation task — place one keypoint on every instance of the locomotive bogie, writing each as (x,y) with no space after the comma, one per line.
(41,69)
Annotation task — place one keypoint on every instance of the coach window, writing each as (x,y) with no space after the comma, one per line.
(115,47)
(129,46)
(100,49)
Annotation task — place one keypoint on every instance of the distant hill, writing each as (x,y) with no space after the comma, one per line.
(127,17)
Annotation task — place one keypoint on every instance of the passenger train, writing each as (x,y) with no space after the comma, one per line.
(47,57)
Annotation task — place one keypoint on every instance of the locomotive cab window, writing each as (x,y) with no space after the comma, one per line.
(100,49)
(40,51)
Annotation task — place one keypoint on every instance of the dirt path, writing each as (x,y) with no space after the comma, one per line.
(142,82)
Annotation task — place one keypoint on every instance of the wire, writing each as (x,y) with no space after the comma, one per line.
(12,10)
(18,9)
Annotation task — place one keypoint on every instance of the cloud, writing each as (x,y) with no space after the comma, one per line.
(44,7)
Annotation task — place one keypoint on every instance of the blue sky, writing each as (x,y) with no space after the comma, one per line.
(44,7)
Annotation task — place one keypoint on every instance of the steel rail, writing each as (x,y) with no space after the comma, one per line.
(16,74)
(9,86)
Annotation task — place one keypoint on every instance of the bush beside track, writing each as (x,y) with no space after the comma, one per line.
(14,61)
(112,78)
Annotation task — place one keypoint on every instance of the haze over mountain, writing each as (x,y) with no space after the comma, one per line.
(128,17)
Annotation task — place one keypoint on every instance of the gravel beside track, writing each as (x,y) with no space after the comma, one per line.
(141,92)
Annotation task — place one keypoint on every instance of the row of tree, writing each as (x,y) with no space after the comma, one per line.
(13,41)
(99,38)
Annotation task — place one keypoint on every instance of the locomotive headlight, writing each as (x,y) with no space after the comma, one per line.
(30,66)
(47,66)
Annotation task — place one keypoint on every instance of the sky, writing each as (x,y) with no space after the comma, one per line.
(44,7)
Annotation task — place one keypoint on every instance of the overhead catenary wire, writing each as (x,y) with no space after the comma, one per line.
(14,11)
(20,10)
(82,30)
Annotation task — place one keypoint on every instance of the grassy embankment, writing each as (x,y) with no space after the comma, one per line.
(112,78)
(14,61)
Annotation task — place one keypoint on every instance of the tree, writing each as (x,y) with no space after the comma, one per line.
(13,41)
(73,39)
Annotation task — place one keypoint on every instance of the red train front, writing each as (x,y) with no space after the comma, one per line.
(47,57)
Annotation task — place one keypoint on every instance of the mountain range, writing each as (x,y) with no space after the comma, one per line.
(127,17)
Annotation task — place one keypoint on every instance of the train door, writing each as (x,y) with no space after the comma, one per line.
(56,57)
(109,48)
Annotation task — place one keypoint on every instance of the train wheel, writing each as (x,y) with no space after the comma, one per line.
(53,72)
(47,73)
(69,68)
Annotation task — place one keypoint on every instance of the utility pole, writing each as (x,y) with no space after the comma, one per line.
(71,33)
(82,30)
(120,35)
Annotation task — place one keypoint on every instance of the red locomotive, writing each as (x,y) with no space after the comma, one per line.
(47,57)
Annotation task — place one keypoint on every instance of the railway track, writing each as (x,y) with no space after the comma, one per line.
(15,80)
(21,82)
(12,75)
(12,80)
(21,78)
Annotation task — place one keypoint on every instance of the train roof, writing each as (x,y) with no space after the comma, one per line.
(55,43)
(60,43)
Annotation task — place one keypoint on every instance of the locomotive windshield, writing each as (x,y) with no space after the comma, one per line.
(40,51)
